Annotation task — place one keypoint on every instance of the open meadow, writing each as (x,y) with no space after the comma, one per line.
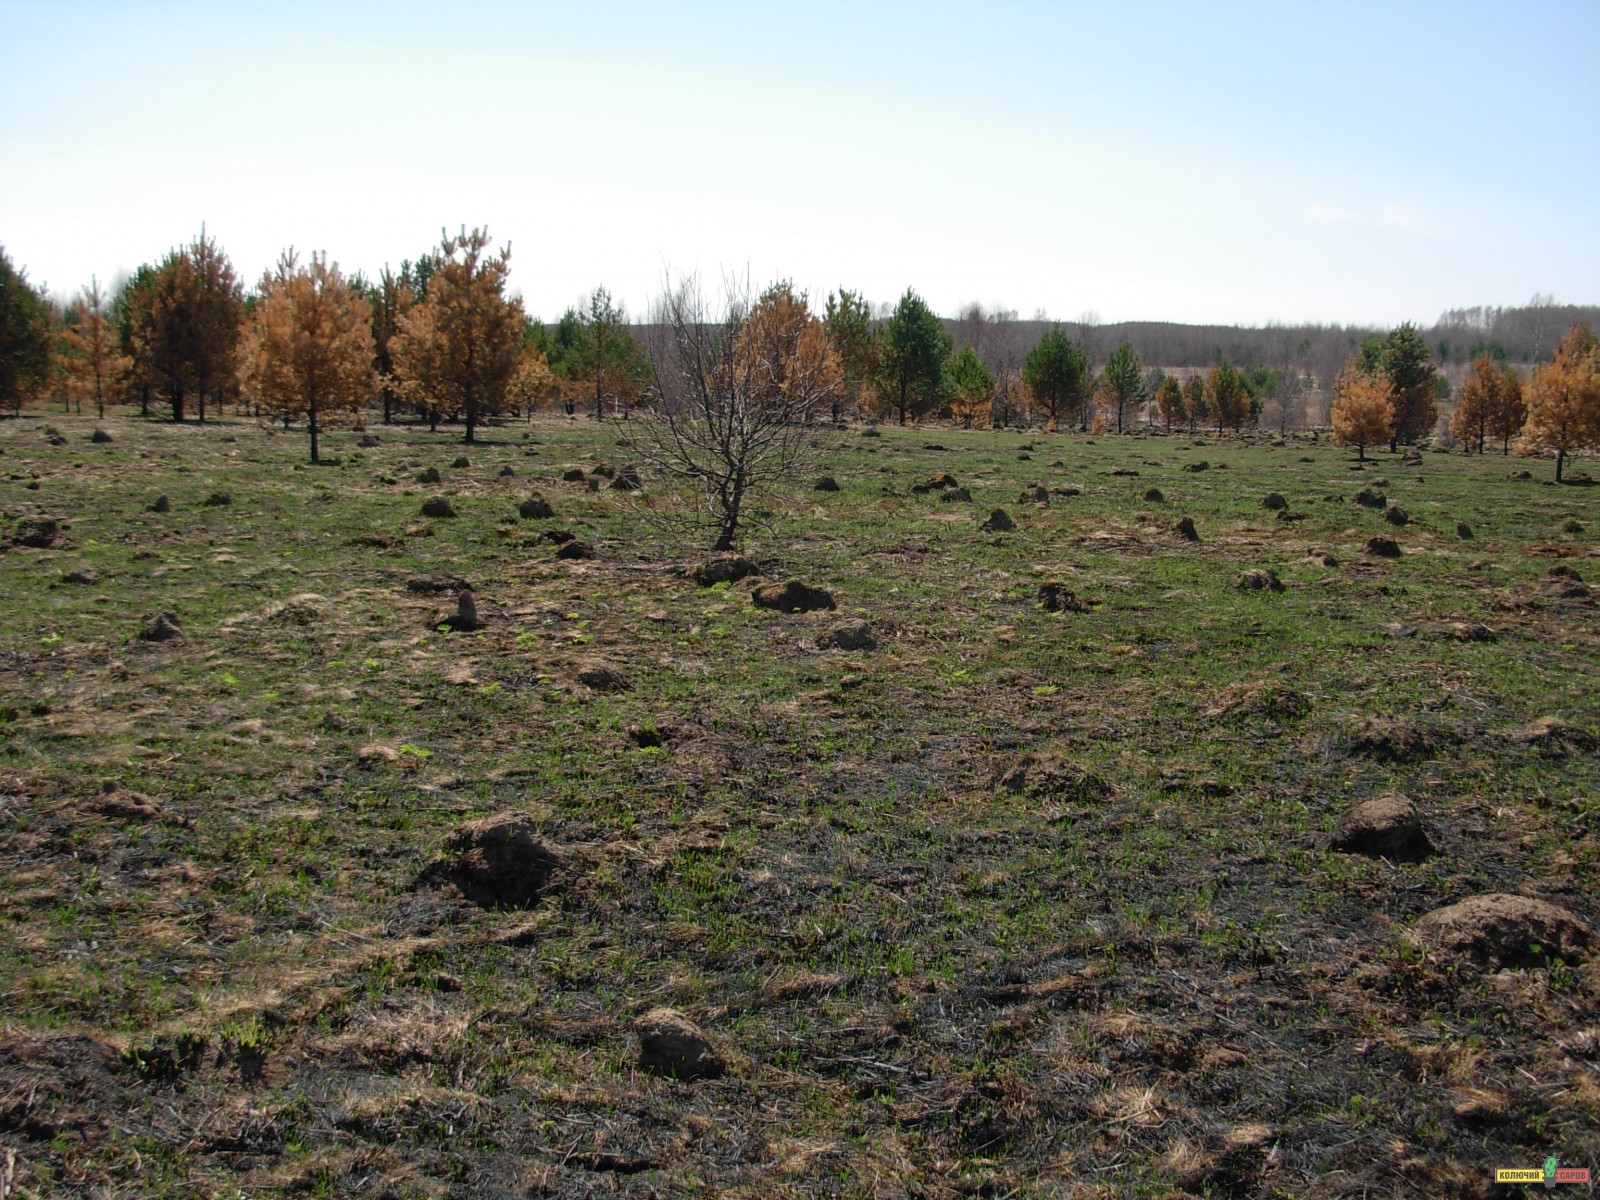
(1021,890)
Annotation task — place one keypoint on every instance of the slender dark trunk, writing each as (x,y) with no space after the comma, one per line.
(311,416)
(388,406)
(1394,445)
(472,423)
(1361,451)
(1561,458)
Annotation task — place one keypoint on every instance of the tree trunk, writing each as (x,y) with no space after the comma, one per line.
(472,423)
(312,421)
(1561,458)
(1361,451)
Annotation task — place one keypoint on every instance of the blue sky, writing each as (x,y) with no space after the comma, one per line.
(1160,161)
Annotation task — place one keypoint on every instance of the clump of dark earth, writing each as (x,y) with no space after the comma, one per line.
(497,862)
(722,568)
(626,480)
(1052,777)
(999,522)
(599,677)
(1463,531)
(792,597)
(1259,579)
(37,533)
(437,506)
(1460,631)
(101,437)
(162,627)
(1554,736)
(1393,740)
(218,500)
(672,1045)
(1274,501)
(850,635)
(1501,931)
(465,618)
(1154,496)
(1055,596)
(431,475)
(573,549)
(461,462)
(826,484)
(1386,826)
(1396,515)
(161,505)
(1367,498)
(1186,530)
(572,475)
(535,508)
(1383,547)
(959,493)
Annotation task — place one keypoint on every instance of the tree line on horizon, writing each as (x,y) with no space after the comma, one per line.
(439,338)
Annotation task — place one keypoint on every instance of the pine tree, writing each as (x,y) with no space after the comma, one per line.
(911,366)
(847,320)
(24,336)
(970,387)
(95,366)
(1406,364)
(1122,382)
(458,349)
(308,349)
(1563,399)
(1057,375)
(1363,413)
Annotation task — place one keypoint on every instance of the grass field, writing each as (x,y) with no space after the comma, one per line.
(233,962)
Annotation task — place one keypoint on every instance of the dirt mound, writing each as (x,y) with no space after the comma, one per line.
(1500,931)
(37,533)
(851,635)
(1563,571)
(1459,631)
(999,522)
(1055,596)
(958,493)
(670,1044)
(160,505)
(1553,736)
(535,508)
(1321,558)
(626,480)
(1154,496)
(436,585)
(1571,526)
(1269,700)
(1386,826)
(1052,777)
(497,862)
(826,484)
(792,597)
(437,506)
(461,462)
(1259,579)
(465,619)
(573,548)
(100,437)
(162,627)
(1393,740)
(1367,498)
(721,568)
(1186,530)
(1463,531)
(600,677)
(1197,466)
(1274,501)
(430,475)
(1383,547)
(572,475)
(1396,515)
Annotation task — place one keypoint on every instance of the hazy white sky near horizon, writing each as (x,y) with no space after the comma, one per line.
(1224,162)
